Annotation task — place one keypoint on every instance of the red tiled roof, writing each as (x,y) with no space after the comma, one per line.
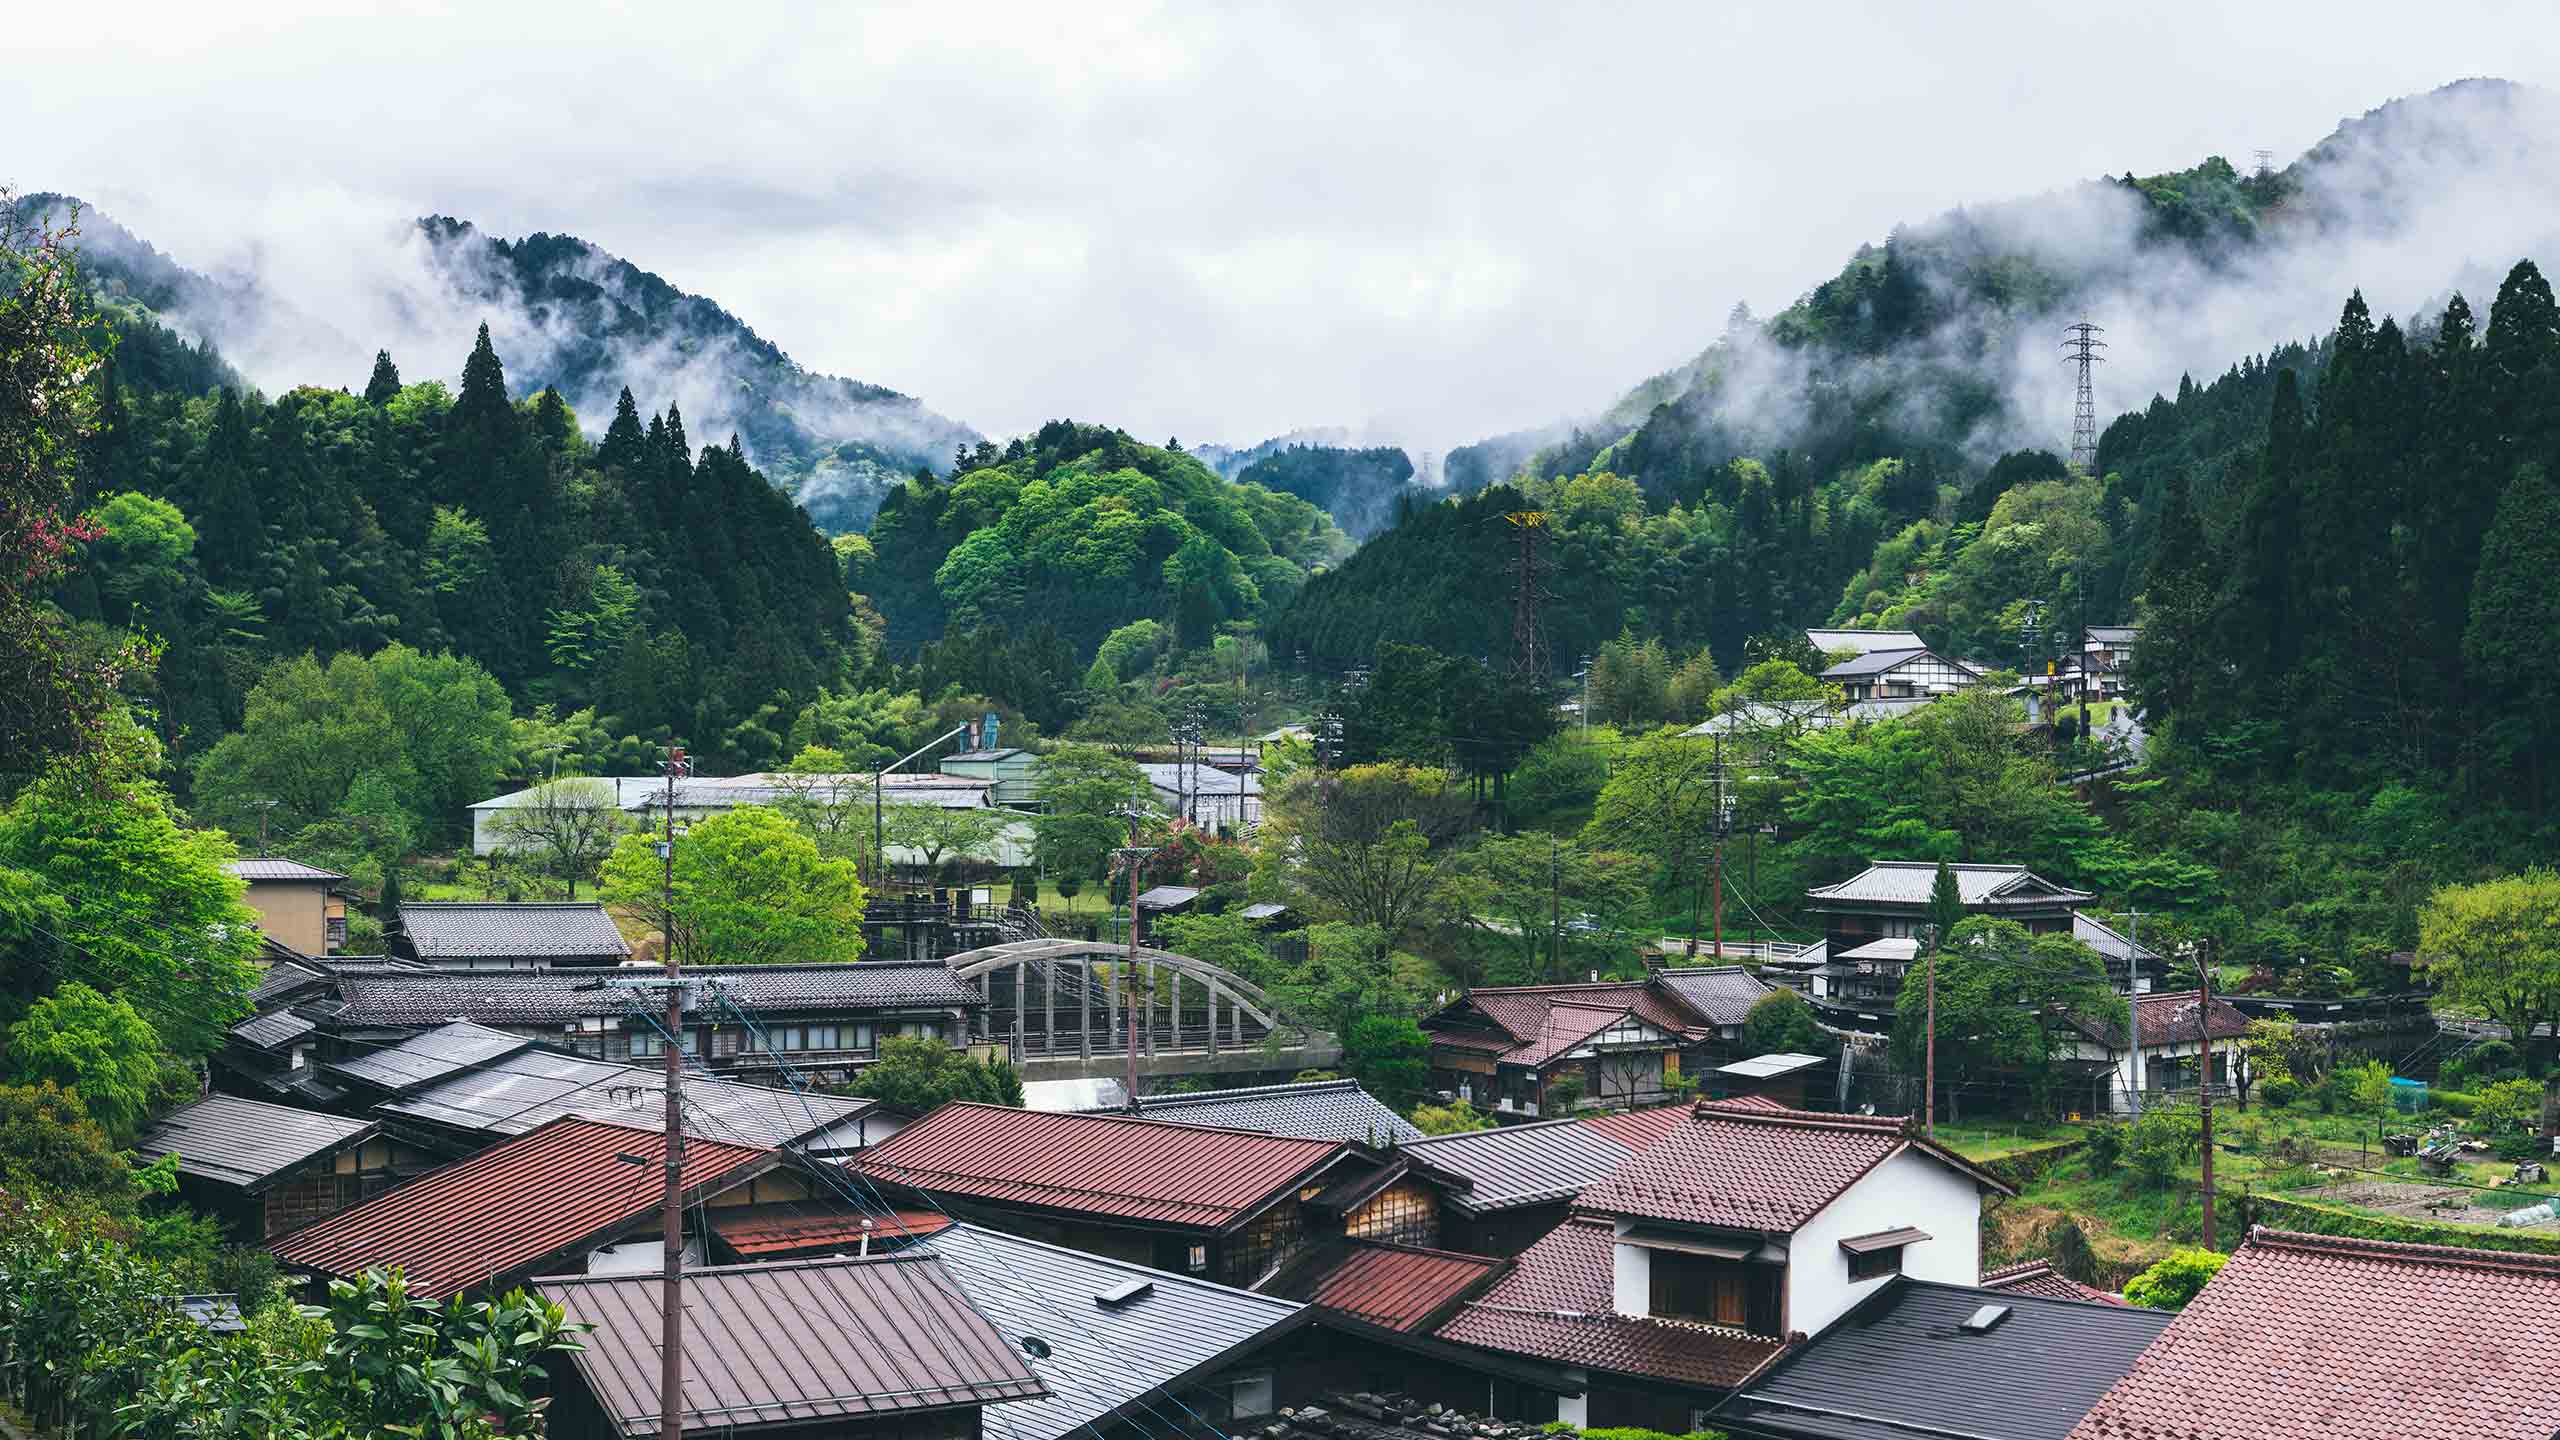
(771,1232)
(1556,1305)
(1746,1167)
(2038,1277)
(1399,1287)
(2312,1337)
(1189,1175)
(1639,1130)
(513,1206)
(2168,1018)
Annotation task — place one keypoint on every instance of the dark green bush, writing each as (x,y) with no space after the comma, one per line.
(2280,1091)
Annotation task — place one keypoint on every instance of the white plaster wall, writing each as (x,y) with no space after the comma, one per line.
(1909,1189)
(1631,1271)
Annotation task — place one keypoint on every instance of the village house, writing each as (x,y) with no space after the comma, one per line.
(507,935)
(1917,674)
(1501,1190)
(1516,1049)
(272,1054)
(2319,1337)
(915,1360)
(826,1021)
(1922,1358)
(2176,1031)
(1876,922)
(301,907)
(462,1087)
(2106,656)
(1685,1272)
(1310,1109)
(1224,1204)
(560,1199)
(1131,1352)
(265,1169)
(1012,775)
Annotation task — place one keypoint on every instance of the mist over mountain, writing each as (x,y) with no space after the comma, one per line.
(565,312)
(1945,338)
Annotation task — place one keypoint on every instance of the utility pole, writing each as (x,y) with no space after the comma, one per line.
(1929,1056)
(671,1344)
(2133,1021)
(2081,351)
(1133,855)
(1723,823)
(2204,1080)
(1555,909)
(265,807)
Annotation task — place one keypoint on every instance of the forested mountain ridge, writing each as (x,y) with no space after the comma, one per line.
(1840,461)
(570,316)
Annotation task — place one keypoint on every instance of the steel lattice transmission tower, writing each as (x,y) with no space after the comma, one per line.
(1528,636)
(2081,350)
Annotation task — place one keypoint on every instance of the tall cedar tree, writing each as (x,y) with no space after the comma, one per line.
(385,382)
(2514,613)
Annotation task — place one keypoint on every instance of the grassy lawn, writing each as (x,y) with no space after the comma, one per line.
(1990,1142)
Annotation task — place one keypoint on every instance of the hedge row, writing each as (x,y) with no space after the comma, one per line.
(2278,1213)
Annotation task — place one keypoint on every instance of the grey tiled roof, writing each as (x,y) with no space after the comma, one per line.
(1864,641)
(477,929)
(1517,1165)
(423,1059)
(1315,1110)
(276,1027)
(1898,1365)
(513,1094)
(552,997)
(264,868)
(283,979)
(1908,882)
(1722,993)
(1102,1359)
(240,1142)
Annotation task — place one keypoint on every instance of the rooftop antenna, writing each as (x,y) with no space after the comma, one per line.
(2081,350)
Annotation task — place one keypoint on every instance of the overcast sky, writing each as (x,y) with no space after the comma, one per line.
(1430,223)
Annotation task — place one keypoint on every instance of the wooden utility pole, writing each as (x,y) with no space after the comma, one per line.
(1555,910)
(2204,1081)
(671,1343)
(1133,855)
(2133,1022)
(1929,1048)
(1721,827)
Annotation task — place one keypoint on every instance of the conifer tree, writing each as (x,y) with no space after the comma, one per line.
(231,525)
(386,377)
(2514,613)
(625,443)
(1946,905)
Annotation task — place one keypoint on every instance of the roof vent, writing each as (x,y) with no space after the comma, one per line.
(1126,1293)
(1035,1347)
(1981,1321)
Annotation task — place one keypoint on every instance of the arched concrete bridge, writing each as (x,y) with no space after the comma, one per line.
(1060,1003)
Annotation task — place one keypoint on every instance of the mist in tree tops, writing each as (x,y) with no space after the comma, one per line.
(568,315)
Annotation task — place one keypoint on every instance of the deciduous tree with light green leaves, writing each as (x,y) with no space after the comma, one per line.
(96,1047)
(2497,945)
(750,889)
(131,902)
(2006,1003)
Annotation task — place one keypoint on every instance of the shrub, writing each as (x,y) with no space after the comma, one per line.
(2161,1144)
(2488,1060)
(2453,1103)
(2170,1284)
(2105,1148)
(2280,1091)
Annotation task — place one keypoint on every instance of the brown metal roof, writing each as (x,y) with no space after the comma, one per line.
(1558,1304)
(1640,1129)
(514,1206)
(1397,1287)
(1745,1167)
(793,1343)
(1545,1019)
(789,1228)
(2314,1337)
(2168,1017)
(1187,1175)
